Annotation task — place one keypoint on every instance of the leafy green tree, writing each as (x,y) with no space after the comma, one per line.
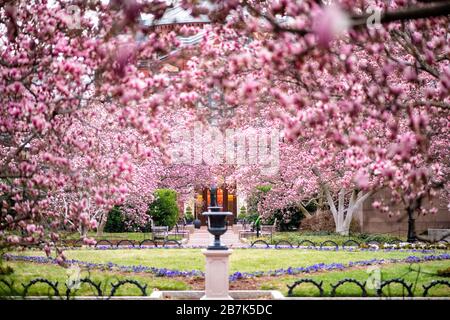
(164,209)
(115,222)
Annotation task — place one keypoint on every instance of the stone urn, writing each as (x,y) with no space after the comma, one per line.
(197,224)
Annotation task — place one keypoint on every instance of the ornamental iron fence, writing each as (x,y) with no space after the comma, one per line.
(407,288)
(9,290)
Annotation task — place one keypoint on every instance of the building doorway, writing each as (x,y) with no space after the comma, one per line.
(226,198)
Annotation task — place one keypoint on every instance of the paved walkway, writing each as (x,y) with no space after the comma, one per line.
(201,237)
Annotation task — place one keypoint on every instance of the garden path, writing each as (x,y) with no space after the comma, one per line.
(201,237)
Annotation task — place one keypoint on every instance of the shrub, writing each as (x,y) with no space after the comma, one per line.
(164,210)
(242,213)
(324,222)
(381,238)
(115,221)
(6,270)
(321,221)
(250,218)
(287,218)
(188,215)
(444,272)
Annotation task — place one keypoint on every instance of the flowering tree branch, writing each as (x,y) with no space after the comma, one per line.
(436,9)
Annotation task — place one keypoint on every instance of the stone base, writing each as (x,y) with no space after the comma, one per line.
(233,294)
(228,297)
(216,275)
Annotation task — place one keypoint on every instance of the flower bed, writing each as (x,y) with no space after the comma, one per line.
(164,272)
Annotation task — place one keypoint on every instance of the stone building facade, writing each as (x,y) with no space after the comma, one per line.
(370,220)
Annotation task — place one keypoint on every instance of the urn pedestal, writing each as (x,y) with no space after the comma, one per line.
(216,276)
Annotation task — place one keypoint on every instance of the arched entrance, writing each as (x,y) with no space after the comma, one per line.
(226,198)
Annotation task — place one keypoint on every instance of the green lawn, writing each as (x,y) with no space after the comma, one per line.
(294,237)
(25,271)
(135,236)
(426,275)
(243,260)
(319,237)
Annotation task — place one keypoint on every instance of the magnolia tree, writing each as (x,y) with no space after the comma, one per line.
(368,82)
(293,180)
(308,173)
(77,112)
(366,87)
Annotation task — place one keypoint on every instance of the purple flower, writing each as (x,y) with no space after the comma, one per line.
(164,272)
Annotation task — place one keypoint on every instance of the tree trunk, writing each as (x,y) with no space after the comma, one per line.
(340,228)
(411,210)
(101,225)
(412,236)
(359,215)
(304,211)
(342,217)
(320,204)
(83,231)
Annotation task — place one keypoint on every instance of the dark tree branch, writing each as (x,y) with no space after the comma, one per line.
(436,8)
(439,9)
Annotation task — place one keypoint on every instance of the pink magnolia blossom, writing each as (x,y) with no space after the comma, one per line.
(329,23)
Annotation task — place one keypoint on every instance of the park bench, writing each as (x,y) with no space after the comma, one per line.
(162,232)
(266,230)
(180,230)
(159,232)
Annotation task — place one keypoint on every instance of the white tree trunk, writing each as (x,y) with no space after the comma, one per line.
(102,223)
(344,216)
(83,229)
(340,228)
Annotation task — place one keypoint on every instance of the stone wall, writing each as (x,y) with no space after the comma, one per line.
(373,221)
